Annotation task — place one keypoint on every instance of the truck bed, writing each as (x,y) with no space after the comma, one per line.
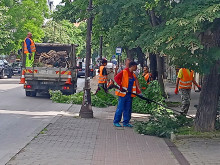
(47,73)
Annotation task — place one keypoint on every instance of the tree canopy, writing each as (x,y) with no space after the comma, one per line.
(66,32)
(23,17)
(179,31)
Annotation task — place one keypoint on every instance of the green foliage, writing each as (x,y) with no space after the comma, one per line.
(179,33)
(66,32)
(152,92)
(101,99)
(163,124)
(5,35)
(23,17)
(162,121)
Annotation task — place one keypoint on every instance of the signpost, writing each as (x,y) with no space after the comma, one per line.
(118,53)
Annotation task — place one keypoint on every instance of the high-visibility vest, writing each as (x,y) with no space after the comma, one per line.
(186,80)
(125,82)
(147,78)
(33,48)
(102,78)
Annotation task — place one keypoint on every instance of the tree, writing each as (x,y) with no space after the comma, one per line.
(181,36)
(115,20)
(31,15)
(66,32)
(173,28)
(5,34)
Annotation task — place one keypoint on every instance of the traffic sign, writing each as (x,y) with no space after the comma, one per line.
(118,51)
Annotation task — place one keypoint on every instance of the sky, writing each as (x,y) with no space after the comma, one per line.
(56,2)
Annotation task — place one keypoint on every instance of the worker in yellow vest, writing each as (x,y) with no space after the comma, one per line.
(126,81)
(29,50)
(184,82)
(102,81)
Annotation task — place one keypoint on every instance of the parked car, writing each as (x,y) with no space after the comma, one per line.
(81,71)
(17,67)
(5,69)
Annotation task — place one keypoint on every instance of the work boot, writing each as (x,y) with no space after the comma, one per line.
(117,125)
(127,125)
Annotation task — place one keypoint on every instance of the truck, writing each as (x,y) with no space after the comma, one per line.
(41,79)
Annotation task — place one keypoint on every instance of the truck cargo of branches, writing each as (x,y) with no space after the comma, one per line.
(54,68)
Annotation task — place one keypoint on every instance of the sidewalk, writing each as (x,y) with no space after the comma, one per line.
(70,140)
(198,151)
(172,97)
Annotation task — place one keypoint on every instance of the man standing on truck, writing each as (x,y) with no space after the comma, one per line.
(29,50)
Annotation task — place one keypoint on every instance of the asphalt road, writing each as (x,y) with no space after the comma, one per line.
(22,118)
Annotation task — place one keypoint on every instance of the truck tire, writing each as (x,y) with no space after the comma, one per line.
(10,75)
(28,93)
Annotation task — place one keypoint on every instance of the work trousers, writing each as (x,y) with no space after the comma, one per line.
(30,59)
(185,97)
(101,85)
(125,108)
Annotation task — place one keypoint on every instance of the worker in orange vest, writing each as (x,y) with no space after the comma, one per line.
(126,81)
(184,82)
(147,75)
(29,50)
(102,82)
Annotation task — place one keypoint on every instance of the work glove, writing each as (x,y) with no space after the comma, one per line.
(199,87)
(176,91)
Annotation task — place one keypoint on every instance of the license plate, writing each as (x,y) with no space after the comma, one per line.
(46,83)
(46,72)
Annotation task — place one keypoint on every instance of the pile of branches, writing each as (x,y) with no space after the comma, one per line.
(53,59)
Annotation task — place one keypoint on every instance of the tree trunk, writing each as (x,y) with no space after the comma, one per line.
(153,18)
(160,73)
(208,102)
(140,56)
(154,23)
(153,65)
(129,53)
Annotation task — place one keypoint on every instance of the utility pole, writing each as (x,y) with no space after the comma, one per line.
(86,108)
(101,43)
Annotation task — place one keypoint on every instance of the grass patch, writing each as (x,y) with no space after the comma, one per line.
(173,104)
(191,131)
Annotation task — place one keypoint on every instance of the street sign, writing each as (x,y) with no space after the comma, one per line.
(118,51)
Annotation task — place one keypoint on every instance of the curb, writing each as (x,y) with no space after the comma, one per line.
(175,137)
(177,154)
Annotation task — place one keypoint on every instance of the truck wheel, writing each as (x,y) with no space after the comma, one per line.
(33,94)
(28,93)
(10,75)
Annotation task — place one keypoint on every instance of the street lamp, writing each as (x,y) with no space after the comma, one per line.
(86,108)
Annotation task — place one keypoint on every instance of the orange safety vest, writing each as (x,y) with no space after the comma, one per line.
(102,78)
(186,81)
(125,82)
(33,48)
(146,77)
